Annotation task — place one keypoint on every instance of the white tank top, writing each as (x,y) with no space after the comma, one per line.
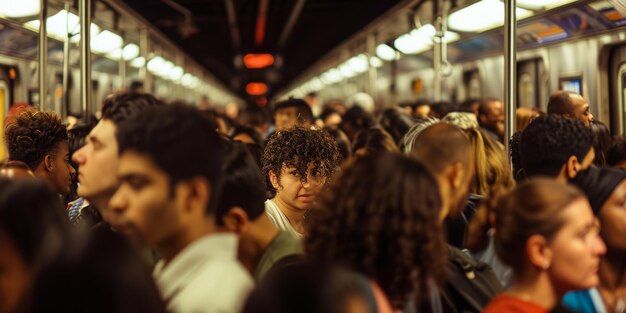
(279,219)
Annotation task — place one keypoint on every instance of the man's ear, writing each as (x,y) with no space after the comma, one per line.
(456,175)
(538,252)
(198,194)
(273,179)
(48,163)
(236,220)
(572,167)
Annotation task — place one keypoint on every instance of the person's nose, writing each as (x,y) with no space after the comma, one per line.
(79,156)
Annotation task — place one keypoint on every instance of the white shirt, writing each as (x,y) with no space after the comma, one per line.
(279,219)
(205,277)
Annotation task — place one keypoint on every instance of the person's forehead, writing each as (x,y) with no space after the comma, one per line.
(137,163)
(104,130)
(578,213)
(63,146)
(578,100)
(494,104)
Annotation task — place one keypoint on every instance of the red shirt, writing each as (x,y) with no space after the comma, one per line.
(511,304)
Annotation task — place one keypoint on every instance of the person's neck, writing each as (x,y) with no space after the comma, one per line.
(538,289)
(172,246)
(262,233)
(613,276)
(294,215)
(101,201)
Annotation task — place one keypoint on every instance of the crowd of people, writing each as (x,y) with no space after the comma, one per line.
(160,207)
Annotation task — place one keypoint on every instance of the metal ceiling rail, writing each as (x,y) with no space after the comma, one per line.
(372,27)
(123,8)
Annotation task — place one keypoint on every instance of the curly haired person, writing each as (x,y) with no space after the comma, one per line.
(380,218)
(556,146)
(39,140)
(297,164)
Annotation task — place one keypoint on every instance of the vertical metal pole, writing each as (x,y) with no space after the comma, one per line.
(43,55)
(145,77)
(393,87)
(85,58)
(510,68)
(372,71)
(438,40)
(122,68)
(65,101)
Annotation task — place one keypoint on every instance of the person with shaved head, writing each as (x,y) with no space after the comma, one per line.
(570,104)
(446,150)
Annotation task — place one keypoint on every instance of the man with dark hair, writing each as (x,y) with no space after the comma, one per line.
(491,118)
(136,87)
(471,105)
(39,140)
(556,146)
(570,104)
(169,169)
(292,113)
(240,210)
(297,165)
(97,159)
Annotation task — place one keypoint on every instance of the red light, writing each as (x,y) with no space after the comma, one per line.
(262,60)
(256,89)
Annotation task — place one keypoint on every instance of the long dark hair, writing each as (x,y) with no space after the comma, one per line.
(380,218)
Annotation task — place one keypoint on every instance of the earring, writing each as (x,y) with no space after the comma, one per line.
(546,266)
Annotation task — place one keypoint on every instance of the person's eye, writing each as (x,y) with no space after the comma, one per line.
(136,184)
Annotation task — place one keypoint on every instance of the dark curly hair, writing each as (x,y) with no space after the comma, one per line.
(380,218)
(549,141)
(34,135)
(516,158)
(297,148)
(179,139)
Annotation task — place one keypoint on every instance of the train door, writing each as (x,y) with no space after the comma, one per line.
(530,91)
(617,89)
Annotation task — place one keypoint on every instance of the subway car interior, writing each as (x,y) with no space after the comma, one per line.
(393,150)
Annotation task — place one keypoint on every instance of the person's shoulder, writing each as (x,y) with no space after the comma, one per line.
(284,244)
(580,301)
(509,304)
(219,286)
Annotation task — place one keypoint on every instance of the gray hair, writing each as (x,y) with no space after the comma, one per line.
(407,141)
